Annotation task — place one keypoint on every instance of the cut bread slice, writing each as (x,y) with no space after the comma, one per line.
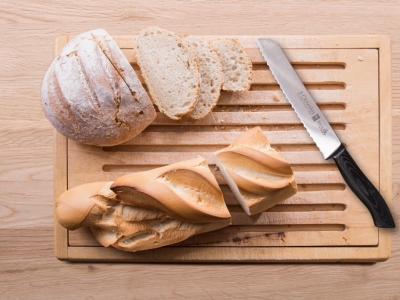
(170,70)
(211,76)
(257,175)
(236,65)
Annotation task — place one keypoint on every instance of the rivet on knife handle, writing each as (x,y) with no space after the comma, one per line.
(363,188)
(322,133)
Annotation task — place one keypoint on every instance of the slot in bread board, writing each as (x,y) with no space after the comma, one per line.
(349,78)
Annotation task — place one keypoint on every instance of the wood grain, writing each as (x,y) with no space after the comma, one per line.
(28,267)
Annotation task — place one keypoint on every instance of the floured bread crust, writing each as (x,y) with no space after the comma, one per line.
(91,94)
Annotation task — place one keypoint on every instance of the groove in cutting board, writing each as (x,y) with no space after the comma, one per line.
(229,128)
(141,168)
(296,207)
(267,108)
(309,86)
(198,148)
(296,65)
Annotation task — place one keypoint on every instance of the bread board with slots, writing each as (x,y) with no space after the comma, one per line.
(350,79)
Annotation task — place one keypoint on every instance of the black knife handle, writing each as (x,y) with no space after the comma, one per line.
(363,188)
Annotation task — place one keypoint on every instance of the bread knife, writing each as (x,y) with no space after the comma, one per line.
(322,133)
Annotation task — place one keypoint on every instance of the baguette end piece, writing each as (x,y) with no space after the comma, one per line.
(80,205)
(257,175)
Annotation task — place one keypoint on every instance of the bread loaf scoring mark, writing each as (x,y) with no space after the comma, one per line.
(263,161)
(73,53)
(104,201)
(249,168)
(59,109)
(108,54)
(137,213)
(164,225)
(191,186)
(132,196)
(136,238)
(89,93)
(114,75)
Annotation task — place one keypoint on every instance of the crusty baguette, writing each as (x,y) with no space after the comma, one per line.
(186,190)
(236,65)
(137,217)
(211,76)
(170,70)
(257,175)
(91,94)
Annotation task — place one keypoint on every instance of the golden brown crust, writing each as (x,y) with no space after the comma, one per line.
(187,191)
(256,173)
(74,205)
(156,208)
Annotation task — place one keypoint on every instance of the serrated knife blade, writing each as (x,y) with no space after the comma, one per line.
(322,133)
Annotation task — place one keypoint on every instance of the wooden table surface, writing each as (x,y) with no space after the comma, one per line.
(28,268)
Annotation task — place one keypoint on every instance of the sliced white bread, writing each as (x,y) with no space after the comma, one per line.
(170,70)
(236,65)
(257,175)
(211,76)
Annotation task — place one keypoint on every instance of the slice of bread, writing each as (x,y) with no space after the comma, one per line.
(236,65)
(211,76)
(170,70)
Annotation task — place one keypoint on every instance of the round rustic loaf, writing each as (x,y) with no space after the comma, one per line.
(91,94)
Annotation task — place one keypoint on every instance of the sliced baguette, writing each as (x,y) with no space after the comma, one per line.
(257,175)
(149,209)
(211,76)
(236,65)
(170,70)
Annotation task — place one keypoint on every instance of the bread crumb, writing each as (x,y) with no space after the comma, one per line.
(276,97)
(360,58)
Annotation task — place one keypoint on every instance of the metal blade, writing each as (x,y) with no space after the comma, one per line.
(302,102)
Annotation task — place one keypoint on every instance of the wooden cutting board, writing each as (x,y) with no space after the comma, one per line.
(350,79)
